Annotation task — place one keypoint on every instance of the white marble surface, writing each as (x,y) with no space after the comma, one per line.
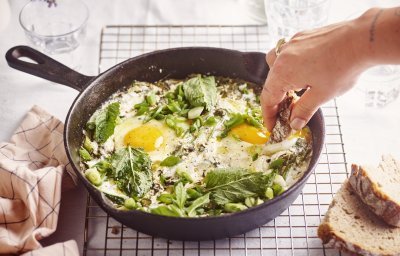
(367,132)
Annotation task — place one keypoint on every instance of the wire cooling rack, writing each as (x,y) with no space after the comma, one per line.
(294,232)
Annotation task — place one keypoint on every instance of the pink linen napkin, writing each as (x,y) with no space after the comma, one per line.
(32,168)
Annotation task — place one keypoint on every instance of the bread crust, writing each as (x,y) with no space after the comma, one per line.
(331,236)
(378,202)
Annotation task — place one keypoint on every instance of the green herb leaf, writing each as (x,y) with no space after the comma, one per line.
(103,166)
(211,121)
(132,171)
(180,195)
(276,164)
(201,91)
(166,198)
(184,176)
(235,185)
(191,210)
(166,210)
(151,99)
(193,193)
(116,198)
(235,120)
(170,161)
(105,122)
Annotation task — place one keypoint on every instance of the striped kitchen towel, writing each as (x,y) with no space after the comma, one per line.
(33,166)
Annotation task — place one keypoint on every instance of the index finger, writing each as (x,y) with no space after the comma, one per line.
(273,93)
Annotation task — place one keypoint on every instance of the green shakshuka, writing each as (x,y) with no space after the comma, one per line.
(189,148)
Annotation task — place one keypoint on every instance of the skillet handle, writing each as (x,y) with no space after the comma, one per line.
(45,67)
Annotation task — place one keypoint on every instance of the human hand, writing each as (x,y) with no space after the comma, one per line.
(324,61)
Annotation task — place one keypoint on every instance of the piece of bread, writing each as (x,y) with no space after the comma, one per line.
(282,128)
(350,226)
(379,188)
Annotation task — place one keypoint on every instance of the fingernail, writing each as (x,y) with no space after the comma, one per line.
(297,123)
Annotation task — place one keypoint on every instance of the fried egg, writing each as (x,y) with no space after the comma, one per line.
(250,134)
(154,137)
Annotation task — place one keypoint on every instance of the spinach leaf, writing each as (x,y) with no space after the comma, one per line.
(201,91)
(132,171)
(105,122)
(191,210)
(235,185)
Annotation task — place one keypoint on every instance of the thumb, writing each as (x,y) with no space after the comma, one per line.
(304,109)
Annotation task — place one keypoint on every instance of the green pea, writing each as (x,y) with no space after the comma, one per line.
(130,204)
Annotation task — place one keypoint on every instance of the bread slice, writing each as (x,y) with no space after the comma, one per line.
(350,226)
(282,129)
(379,188)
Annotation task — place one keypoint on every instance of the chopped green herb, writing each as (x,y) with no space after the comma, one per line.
(151,99)
(84,154)
(235,120)
(93,176)
(184,176)
(269,193)
(195,112)
(234,207)
(166,198)
(87,144)
(170,161)
(167,210)
(203,200)
(211,121)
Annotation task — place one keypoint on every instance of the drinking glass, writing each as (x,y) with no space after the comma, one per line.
(287,17)
(380,84)
(55,29)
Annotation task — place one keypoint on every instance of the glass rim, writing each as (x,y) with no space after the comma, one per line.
(58,35)
(300,8)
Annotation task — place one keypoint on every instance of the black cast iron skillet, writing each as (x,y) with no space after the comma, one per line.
(170,63)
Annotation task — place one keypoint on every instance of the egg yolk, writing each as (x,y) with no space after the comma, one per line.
(147,137)
(250,134)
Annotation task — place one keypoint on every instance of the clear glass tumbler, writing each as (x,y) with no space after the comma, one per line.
(54,29)
(380,84)
(287,17)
